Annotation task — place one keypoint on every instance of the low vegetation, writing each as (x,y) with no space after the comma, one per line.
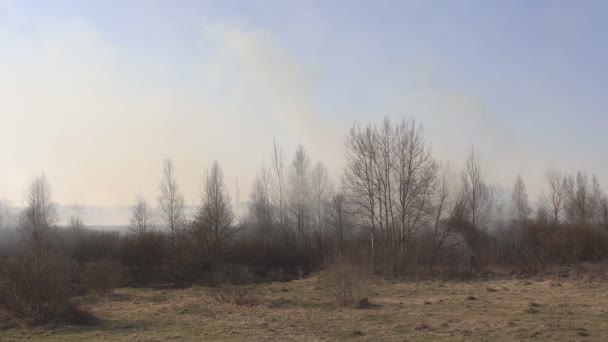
(234,284)
(347,283)
(396,216)
(547,309)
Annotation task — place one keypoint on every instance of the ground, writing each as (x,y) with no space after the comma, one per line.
(497,310)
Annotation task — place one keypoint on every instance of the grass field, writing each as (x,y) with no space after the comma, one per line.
(500,310)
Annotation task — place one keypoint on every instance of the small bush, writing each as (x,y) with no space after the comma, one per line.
(36,289)
(102,277)
(347,283)
(234,283)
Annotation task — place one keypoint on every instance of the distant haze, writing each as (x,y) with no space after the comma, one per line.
(97,96)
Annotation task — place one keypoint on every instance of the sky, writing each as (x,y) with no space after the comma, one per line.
(95,94)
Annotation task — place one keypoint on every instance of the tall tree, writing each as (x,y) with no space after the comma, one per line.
(142,218)
(320,191)
(359,179)
(213,223)
(604,211)
(278,185)
(171,203)
(553,201)
(299,187)
(579,204)
(340,220)
(416,182)
(475,190)
(261,203)
(38,219)
(519,198)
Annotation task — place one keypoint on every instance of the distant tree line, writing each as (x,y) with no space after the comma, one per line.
(395,207)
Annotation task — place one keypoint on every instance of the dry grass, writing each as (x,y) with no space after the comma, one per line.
(426,311)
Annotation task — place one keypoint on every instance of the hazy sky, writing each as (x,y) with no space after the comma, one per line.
(96,93)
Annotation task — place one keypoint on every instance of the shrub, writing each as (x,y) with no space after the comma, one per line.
(346,282)
(234,283)
(102,277)
(36,289)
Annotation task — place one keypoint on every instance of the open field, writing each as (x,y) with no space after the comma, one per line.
(497,310)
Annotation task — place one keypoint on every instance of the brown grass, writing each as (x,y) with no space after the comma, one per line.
(534,310)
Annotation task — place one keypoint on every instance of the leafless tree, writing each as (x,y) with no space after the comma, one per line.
(213,223)
(142,218)
(2,215)
(359,179)
(519,198)
(38,218)
(278,185)
(261,199)
(416,177)
(596,201)
(171,203)
(553,201)
(383,176)
(442,229)
(299,193)
(475,190)
(604,211)
(579,205)
(37,284)
(340,220)
(320,193)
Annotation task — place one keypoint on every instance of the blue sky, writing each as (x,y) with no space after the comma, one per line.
(523,81)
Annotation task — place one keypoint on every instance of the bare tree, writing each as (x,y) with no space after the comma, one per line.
(142,218)
(383,176)
(519,198)
(475,190)
(2,215)
(278,185)
(38,218)
(171,203)
(299,193)
(416,176)
(340,220)
(579,205)
(320,192)
(359,179)
(213,223)
(36,284)
(553,201)
(441,229)
(596,201)
(261,199)
(604,211)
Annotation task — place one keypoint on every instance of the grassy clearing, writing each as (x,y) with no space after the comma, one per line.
(543,310)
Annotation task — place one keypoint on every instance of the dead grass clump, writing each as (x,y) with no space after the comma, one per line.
(234,284)
(582,332)
(346,283)
(102,277)
(531,310)
(422,326)
(590,271)
(357,333)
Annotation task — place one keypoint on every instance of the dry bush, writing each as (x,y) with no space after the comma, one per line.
(590,271)
(347,283)
(567,244)
(36,289)
(234,283)
(102,277)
